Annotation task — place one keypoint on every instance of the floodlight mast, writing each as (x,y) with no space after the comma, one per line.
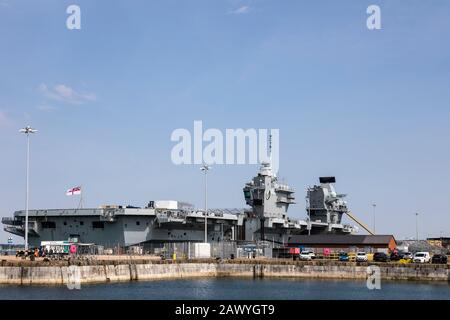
(205,168)
(27,130)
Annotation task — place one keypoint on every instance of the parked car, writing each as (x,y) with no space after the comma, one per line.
(343,256)
(311,254)
(439,259)
(380,257)
(396,256)
(361,257)
(408,256)
(422,257)
(305,256)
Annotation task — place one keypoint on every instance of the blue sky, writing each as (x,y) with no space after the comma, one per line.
(370,107)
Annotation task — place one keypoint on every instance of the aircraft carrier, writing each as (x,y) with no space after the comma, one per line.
(160,222)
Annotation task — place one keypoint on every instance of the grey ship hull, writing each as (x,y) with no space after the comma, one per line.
(126,227)
(121,227)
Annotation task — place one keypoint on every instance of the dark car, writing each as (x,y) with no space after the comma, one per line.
(380,257)
(396,256)
(343,256)
(439,259)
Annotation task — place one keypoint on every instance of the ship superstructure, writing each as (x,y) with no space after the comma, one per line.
(270,201)
(324,204)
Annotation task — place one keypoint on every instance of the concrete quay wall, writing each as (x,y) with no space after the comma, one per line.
(60,274)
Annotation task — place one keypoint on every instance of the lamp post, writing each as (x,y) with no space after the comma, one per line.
(27,130)
(417,226)
(374,205)
(205,168)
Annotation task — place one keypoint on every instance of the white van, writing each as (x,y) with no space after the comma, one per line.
(422,257)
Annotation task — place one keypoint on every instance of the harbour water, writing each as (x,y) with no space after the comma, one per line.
(234,289)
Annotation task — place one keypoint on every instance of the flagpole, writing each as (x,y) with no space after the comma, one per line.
(80,205)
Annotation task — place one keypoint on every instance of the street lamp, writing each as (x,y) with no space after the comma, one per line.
(205,168)
(417,226)
(27,130)
(374,205)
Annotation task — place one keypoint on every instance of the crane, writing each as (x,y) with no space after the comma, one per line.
(351,216)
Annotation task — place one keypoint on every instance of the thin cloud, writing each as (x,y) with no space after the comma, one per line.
(241,10)
(64,93)
(46,108)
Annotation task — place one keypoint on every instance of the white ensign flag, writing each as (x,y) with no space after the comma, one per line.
(73,191)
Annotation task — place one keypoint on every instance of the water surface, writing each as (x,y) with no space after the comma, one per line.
(232,289)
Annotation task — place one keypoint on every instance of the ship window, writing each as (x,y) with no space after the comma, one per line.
(81,223)
(98,224)
(138,223)
(48,224)
(65,223)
